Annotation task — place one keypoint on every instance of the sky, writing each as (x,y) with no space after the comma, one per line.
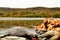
(29,3)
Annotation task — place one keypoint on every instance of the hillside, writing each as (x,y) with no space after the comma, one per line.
(30,12)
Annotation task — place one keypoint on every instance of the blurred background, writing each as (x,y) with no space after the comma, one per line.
(32,13)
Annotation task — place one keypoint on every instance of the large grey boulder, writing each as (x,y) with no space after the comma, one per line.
(17,31)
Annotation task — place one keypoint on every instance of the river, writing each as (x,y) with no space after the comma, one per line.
(16,18)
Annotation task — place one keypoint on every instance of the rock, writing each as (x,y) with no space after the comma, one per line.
(13,38)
